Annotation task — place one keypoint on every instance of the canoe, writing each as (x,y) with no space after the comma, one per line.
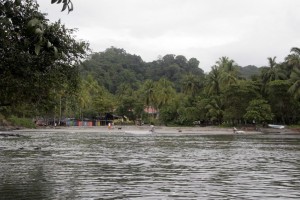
(276,126)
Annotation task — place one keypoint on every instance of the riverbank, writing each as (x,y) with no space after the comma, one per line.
(144,129)
(141,129)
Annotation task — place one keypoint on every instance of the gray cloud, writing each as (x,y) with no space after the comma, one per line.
(247,31)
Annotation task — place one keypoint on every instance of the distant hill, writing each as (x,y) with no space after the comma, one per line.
(114,67)
(248,71)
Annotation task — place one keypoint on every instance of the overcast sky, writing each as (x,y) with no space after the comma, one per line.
(247,31)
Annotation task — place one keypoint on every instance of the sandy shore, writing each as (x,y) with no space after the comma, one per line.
(139,130)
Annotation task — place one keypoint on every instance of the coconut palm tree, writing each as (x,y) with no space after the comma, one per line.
(213,81)
(273,72)
(191,84)
(295,79)
(84,98)
(294,60)
(215,109)
(148,93)
(229,71)
(164,92)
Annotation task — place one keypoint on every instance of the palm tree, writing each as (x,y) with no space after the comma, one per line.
(295,79)
(148,93)
(213,81)
(215,108)
(294,60)
(222,62)
(191,84)
(273,72)
(229,71)
(84,98)
(164,92)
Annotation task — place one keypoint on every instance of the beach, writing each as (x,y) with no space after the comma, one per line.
(138,129)
(208,130)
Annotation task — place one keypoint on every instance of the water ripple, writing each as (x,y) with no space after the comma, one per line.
(104,166)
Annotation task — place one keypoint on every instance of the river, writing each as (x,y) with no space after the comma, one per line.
(159,166)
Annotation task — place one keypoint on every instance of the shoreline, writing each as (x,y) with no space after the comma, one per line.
(208,130)
(144,129)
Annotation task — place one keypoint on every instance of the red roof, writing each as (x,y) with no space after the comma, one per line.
(150,110)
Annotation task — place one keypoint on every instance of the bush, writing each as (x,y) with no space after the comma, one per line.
(3,121)
(22,122)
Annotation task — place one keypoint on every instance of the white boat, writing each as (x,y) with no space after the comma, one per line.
(240,132)
(276,126)
(237,131)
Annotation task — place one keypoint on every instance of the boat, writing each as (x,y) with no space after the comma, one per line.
(237,131)
(240,132)
(276,126)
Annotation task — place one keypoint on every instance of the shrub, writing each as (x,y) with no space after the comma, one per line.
(22,122)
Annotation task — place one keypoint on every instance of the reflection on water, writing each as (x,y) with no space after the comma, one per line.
(119,166)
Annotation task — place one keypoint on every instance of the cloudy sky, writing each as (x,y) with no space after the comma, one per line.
(247,31)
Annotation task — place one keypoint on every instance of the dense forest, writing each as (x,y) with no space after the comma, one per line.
(46,73)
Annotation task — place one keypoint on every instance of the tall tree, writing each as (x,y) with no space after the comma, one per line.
(273,72)
(259,110)
(213,85)
(147,91)
(164,91)
(215,109)
(228,71)
(295,83)
(33,49)
(237,98)
(191,84)
(281,101)
(293,60)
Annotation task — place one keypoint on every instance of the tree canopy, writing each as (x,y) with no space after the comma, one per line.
(38,58)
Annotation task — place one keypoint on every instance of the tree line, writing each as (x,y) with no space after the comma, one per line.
(183,94)
(45,72)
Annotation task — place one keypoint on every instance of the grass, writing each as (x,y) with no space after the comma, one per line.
(21,122)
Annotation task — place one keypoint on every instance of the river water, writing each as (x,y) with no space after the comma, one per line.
(167,166)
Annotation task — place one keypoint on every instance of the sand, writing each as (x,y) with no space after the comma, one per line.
(139,130)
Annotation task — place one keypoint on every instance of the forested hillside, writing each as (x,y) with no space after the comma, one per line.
(115,67)
(180,91)
(249,71)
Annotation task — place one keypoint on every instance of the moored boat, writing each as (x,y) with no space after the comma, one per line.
(276,126)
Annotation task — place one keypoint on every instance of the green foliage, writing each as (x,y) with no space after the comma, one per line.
(295,87)
(164,93)
(22,122)
(114,67)
(237,98)
(38,59)
(284,106)
(67,4)
(249,71)
(168,115)
(94,98)
(192,84)
(258,110)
